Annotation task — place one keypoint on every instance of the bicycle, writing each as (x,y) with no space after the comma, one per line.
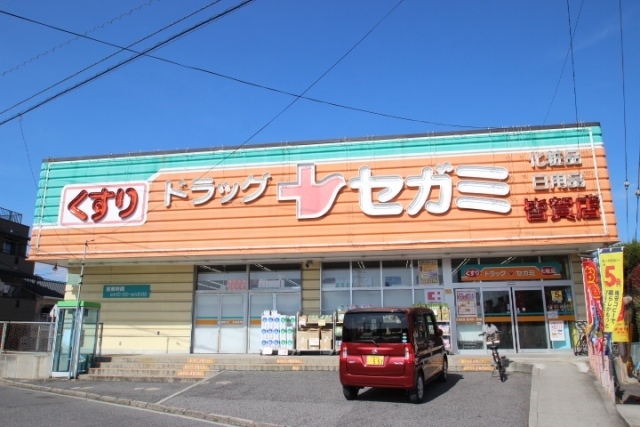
(493,341)
(581,344)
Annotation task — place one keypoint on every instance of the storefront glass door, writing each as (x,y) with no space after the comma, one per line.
(220,323)
(531,329)
(517,312)
(233,323)
(497,311)
(207,323)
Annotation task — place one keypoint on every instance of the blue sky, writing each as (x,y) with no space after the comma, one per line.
(436,66)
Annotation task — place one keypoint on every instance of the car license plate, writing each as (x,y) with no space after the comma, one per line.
(375,360)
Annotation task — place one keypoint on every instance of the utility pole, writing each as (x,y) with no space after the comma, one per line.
(77,324)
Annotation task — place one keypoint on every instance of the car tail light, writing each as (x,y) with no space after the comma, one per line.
(408,353)
(343,352)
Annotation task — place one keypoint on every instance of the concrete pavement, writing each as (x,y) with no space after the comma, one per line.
(563,393)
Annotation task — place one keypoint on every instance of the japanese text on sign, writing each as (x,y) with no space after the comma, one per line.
(104,204)
(126,291)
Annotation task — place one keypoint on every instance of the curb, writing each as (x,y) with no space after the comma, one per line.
(240,422)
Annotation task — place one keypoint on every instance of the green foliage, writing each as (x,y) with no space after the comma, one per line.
(631,256)
(632,278)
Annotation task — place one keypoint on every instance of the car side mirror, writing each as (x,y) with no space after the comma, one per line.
(439,332)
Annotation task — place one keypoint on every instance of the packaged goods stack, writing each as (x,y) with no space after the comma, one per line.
(290,331)
(338,328)
(315,333)
(277,332)
(443,317)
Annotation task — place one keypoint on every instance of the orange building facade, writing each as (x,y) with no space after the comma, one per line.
(186,250)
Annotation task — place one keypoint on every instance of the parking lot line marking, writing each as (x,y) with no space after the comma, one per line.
(185,389)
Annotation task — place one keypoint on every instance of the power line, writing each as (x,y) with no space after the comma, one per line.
(624,118)
(224,76)
(564,64)
(96,40)
(26,148)
(131,59)
(61,45)
(573,68)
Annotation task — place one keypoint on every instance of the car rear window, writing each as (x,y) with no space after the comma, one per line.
(381,327)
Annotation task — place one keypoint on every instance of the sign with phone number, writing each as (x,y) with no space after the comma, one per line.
(126,291)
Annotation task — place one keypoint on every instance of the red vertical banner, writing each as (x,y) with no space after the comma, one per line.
(611,274)
(592,293)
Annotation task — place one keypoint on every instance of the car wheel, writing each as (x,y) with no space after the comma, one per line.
(445,368)
(350,393)
(416,394)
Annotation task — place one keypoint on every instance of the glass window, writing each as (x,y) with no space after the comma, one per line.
(397,273)
(288,303)
(559,298)
(431,328)
(334,300)
(336,275)
(468,311)
(389,283)
(510,260)
(222,277)
(428,272)
(419,328)
(279,276)
(456,267)
(10,247)
(563,260)
(378,326)
(398,298)
(366,274)
(367,298)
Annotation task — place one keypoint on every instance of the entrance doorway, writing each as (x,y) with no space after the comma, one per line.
(519,314)
(220,323)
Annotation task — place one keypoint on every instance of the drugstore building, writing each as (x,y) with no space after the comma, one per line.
(185,250)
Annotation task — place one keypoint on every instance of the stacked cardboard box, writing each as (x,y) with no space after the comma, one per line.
(326,339)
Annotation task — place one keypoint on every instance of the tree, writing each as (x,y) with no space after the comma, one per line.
(631,266)
(631,256)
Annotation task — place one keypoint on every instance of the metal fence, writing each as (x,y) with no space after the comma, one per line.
(26,336)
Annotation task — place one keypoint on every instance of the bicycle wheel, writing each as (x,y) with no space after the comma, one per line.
(501,371)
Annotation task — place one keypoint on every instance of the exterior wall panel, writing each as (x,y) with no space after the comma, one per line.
(158,324)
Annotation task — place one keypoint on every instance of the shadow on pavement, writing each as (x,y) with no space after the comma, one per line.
(392,395)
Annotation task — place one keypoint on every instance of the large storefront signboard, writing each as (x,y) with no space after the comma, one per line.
(613,290)
(488,272)
(501,188)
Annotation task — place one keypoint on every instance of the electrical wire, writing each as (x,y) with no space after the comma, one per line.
(564,65)
(122,49)
(68,42)
(203,70)
(129,60)
(573,68)
(26,149)
(624,118)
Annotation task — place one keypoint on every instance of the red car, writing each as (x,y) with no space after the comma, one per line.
(391,348)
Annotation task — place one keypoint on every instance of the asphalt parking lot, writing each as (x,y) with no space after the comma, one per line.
(313,399)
